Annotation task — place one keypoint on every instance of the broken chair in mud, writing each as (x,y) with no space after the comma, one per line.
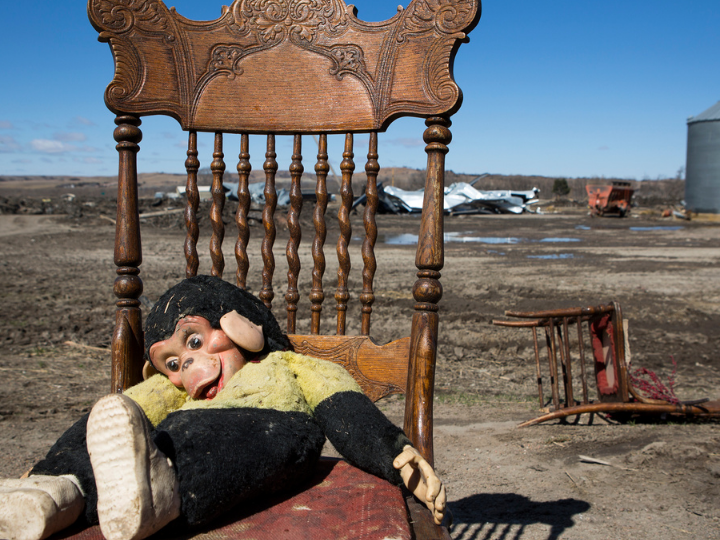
(603,328)
(293,68)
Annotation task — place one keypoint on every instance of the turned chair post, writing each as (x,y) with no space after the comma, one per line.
(127,341)
(427,292)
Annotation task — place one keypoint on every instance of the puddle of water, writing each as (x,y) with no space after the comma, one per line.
(496,252)
(659,228)
(484,240)
(560,240)
(407,239)
(553,256)
(583,228)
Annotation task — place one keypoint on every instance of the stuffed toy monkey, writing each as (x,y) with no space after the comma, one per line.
(226,414)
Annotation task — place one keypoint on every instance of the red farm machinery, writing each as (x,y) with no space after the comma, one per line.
(609,200)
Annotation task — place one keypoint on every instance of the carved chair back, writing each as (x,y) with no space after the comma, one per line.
(291,67)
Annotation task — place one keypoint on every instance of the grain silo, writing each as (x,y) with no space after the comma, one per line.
(702,170)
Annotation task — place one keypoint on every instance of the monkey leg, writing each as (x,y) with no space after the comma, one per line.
(69,456)
(224,457)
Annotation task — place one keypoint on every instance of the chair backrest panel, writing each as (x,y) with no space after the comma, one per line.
(374,367)
(285,66)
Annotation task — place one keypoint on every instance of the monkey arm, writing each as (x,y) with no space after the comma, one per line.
(362,433)
(353,424)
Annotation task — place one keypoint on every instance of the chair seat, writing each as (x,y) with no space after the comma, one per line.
(339,501)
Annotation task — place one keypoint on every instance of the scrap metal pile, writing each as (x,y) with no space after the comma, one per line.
(460,198)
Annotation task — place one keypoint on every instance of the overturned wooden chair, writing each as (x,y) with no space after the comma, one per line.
(292,67)
(604,332)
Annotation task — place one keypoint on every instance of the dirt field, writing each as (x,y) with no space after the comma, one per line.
(663,481)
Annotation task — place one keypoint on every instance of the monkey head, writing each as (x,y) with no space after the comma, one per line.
(203,330)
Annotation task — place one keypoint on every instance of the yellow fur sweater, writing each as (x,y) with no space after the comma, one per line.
(283,380)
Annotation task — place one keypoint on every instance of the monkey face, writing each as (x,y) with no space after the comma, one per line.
(197,357)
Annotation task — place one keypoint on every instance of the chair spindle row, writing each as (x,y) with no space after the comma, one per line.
(296,169)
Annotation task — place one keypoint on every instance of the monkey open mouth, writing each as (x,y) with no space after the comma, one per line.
(211,390)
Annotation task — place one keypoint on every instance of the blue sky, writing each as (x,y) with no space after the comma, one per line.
(572,88)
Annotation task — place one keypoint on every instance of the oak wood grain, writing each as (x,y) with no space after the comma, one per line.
(259,57)
(380,370)
(268,218)
(317,295)
(296,202)
(243,210)
(216,209)
(367,297)
(127,341)
(347,166)
(192,166)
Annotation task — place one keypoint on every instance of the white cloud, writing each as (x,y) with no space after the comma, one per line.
(72,136)
(83,121)
(8,144)
(89,149)
(54,146)
(46,146)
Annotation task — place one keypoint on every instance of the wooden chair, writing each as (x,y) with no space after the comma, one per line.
(605,335)
(292,67)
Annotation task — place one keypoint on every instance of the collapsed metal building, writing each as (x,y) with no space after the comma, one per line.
(702,169)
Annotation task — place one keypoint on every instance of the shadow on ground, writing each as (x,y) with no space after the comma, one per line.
(507,516)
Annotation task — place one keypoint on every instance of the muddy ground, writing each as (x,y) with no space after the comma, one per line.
(663,477)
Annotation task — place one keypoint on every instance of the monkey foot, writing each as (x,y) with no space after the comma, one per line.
(33,508)
(137,488)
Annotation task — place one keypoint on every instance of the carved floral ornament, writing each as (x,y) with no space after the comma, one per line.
(273,20)
(119,16)
(446,16)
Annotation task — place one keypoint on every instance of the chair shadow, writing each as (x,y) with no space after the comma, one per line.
(506,515)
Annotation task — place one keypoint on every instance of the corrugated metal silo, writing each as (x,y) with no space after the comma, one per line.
(702,169)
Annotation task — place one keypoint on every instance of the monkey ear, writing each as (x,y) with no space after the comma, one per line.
(244,333)
(148,371)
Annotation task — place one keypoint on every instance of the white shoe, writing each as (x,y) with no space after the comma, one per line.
(137,488)
(35,507)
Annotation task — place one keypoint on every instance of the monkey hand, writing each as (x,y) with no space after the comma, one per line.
(420,478)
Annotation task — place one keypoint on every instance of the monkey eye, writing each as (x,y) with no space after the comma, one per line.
(172,364)
(195,342)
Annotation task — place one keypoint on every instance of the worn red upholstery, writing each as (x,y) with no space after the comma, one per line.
(603,344)
(340,501)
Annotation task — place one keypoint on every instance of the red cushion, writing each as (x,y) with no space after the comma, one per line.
(340,502)
(603,344)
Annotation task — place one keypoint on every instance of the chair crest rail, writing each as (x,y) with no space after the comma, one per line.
(371,73)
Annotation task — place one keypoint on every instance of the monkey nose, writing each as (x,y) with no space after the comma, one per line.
(199,371)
